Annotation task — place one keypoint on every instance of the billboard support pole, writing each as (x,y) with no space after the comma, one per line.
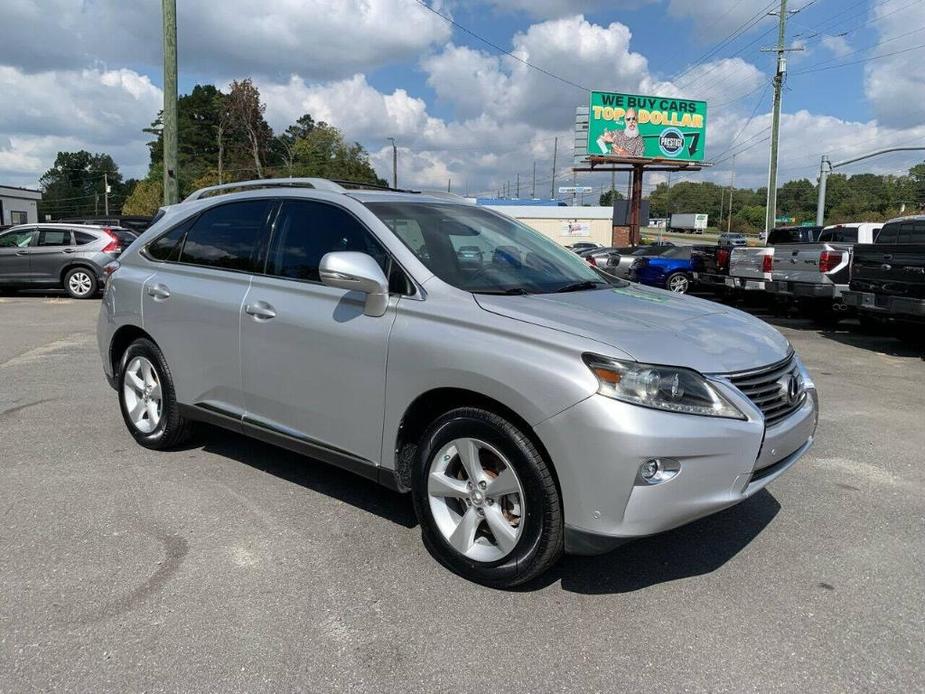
(635,205)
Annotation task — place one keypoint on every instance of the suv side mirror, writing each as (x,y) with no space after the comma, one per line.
(357,272)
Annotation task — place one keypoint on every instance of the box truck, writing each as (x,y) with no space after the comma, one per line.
(689,223)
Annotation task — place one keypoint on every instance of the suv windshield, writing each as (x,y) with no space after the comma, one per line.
(483,252)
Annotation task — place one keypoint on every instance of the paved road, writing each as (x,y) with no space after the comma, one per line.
(235,566)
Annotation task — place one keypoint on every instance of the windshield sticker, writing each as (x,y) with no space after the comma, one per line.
(638,294)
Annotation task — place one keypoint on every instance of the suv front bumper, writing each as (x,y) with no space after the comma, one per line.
(598,446)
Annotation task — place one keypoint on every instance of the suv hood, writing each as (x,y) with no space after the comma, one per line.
(652,326)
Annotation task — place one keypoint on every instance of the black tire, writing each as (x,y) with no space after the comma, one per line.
(172,429)
(89,281)
(677,277)
(541,542)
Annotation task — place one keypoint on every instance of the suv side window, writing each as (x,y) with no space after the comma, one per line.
(889,233)
(81,238)
(227,236)
(167,246)
(306,230)
(55,237)
(20,238)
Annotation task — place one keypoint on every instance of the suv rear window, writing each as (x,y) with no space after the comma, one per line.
(227,236)
(82,238)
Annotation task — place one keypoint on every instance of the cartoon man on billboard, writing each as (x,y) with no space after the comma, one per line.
(627,143)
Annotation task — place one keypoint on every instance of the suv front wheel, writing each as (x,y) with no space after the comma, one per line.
(486,499)
(147,397)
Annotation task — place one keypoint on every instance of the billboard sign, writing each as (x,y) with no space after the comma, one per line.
(651,127)
(575,228)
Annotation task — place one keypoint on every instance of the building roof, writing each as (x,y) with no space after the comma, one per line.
(17,192)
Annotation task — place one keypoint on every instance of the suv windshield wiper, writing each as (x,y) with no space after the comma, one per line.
(513,291)
(580,286)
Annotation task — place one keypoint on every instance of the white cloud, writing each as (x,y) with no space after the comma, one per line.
(321,39)
(97,110)
(720,18)
(546,9)
(895,84)
(838,45)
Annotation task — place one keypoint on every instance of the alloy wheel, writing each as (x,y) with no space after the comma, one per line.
(678,284)
(80,283)
(141,391)
(476,499)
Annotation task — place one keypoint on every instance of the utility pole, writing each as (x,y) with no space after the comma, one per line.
(449,185)
(106,194)
(394,163)
(533,189)
(732,189)
(613,184)
(171,188)
(518,186)
(555,151)
(782,15)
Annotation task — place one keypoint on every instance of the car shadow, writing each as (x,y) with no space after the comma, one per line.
(695,549)
(306,472)
(692,550)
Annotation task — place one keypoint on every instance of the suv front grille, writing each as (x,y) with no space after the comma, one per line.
(768,388)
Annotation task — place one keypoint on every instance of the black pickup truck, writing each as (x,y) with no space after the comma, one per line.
(888,277)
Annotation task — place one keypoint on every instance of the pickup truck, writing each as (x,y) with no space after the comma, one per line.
(751,268)
(815,275)
(710,266)
(888,277)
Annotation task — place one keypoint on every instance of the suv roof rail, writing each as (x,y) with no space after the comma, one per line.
(446,195)
(362,185)
(316,183)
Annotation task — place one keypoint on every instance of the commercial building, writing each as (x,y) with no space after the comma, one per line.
(565,225)
(19,205)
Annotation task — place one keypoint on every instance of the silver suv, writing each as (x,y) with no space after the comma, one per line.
(36,256)
(528,402)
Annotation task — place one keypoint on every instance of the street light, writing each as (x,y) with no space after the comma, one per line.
(394,162)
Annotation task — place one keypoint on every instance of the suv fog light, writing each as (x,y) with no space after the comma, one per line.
(657,470)
(650,469)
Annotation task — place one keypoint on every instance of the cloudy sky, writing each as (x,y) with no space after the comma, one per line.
(87,74)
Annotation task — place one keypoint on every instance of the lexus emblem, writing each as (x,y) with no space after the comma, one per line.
(790,388)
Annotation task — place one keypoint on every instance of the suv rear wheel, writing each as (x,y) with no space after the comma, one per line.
(486,499)
(147,397)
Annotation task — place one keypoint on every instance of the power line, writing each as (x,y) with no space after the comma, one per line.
(742,28)
(499,48)
(858,62)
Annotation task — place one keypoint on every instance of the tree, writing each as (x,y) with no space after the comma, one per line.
(146,198)
(74,185)
(322,152)
(247,118)
(606,200)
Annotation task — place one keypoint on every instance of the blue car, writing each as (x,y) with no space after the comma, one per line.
(671,270)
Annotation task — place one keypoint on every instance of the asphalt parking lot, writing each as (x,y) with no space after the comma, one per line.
(233,565)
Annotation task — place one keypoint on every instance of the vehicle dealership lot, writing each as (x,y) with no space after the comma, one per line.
(230,564)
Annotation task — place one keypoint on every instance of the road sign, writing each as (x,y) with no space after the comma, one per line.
(576,189)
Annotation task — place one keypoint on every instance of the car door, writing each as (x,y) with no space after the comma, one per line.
(49,256)
(15,248)
(191,303)
(313,362)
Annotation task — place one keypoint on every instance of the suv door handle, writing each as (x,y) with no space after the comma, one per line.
(158,291)
(70,250)
(261,310)
(22,252)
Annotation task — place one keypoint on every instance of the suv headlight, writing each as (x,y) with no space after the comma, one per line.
(660,387)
